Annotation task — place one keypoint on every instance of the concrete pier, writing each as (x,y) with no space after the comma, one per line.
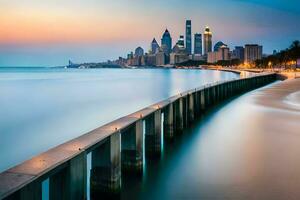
(116,145)
(70,182)
(191,108)
(185,108)
(179,115)
(197,104)
(169,121)
(132,148)
(202,99)
(153,134)
(31,191)
(106,168)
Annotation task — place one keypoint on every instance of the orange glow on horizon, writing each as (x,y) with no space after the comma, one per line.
(34,27)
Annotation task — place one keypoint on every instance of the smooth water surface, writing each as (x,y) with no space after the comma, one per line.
(231,153)
(41,108)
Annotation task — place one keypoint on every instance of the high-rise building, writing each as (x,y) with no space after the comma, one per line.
(218,45)
(188,36)
(198,44)
(160,58)
(223,53)
(166,41)
(252,52)
(180,42)
(154,46)
(220,55)
(207,40)
(238,53)
(139,51)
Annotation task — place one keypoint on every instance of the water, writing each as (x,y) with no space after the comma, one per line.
(41,108)
(229,154)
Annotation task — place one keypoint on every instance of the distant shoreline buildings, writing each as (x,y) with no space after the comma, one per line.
(167,55)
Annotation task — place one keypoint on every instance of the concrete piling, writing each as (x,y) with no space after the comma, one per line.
(132,148)
(153,134)
(31,191)
(70,182)
(105,178)
(191,108)
(202,99)
(179,115)
(197,104)
(169,122)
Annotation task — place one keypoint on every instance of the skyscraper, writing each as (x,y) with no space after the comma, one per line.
(207,40)
(253,52)
(166,41)
(154,46)
(188,36)
(198,43)
(180,42)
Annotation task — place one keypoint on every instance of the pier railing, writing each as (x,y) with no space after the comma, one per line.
(117,147)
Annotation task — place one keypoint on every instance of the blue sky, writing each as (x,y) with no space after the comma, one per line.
(50,32)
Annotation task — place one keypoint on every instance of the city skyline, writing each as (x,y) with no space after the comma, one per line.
(44,34)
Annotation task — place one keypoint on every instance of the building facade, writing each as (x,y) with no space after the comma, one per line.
(238,53)
(166,41)
(212,57)
(221,55)
(151,60)
(207,41)
(180,42)
(160,58)
(252,52)
(178,55)
(154,46)
(139,51)
(218,45)
(198,44)
(188,36)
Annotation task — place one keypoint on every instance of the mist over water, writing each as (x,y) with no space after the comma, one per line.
(41,108)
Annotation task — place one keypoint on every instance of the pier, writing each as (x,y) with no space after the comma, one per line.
(117,147)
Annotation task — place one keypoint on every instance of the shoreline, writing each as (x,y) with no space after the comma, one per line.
(281,74)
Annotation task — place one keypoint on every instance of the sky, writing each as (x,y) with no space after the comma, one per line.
(50,32)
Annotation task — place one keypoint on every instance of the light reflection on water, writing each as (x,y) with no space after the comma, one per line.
(229,154)
(293,99)
(41,108)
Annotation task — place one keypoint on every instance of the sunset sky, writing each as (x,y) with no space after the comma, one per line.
(50,32)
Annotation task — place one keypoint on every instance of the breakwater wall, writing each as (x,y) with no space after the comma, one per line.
(117,147)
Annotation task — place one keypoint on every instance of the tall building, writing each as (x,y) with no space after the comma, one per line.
(139,51)
(218,45)
(180,42)
(238,53)
(160,58)
(220,55)
(154,46)
(223,53)
(207,40)
(178,55)
(252,52)
(198,43)
(166,41)
(188,36)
